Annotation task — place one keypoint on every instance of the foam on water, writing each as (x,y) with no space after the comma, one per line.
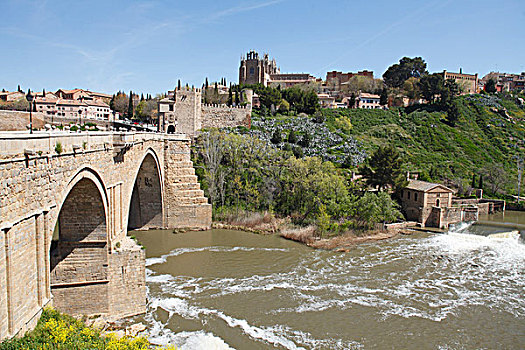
(180,251)
(429,278)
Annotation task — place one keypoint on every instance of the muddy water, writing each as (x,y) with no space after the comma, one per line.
(229,289)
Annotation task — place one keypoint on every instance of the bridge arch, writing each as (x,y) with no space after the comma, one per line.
(79,247)
(147,196)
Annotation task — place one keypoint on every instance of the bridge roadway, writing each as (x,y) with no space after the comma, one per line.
(66,203)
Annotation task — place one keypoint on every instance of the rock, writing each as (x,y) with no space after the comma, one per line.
(135,329)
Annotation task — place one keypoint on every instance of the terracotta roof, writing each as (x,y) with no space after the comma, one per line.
(96,103)
(367,95)
(70,103)
(423,186)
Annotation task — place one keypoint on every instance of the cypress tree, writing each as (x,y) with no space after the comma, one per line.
(44,92)
(178,85)
(206,83)
(216,88)
(230,96)
(481,181)
(473,183)
(142,97)
(130,105)
(237,99)
(19,89)
(292,138)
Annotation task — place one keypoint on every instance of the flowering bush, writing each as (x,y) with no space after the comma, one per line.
(58,331)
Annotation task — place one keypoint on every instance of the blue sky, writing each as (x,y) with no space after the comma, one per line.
(145,46)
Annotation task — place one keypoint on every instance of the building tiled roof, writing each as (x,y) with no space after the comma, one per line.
(64,102)
(423,186)
(367,95)
(96,103)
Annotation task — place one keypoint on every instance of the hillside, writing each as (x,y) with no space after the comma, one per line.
(490,131)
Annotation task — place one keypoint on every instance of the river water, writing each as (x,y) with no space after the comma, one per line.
(224,289)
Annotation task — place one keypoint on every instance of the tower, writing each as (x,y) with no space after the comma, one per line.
(254,70)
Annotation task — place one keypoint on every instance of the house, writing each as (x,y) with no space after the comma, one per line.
(11,96)
(419,198)
(433,205)
(368,101)
(468,83)
(326,101)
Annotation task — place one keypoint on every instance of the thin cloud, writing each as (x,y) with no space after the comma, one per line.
(241,8)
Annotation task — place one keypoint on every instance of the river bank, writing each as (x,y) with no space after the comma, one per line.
(266,223)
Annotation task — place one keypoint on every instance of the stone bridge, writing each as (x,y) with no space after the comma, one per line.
(67,201)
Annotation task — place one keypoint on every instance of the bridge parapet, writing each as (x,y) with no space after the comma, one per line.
(14,144)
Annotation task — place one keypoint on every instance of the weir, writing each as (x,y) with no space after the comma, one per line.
(67,201)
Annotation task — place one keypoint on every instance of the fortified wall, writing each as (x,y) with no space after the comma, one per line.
(221,116)
(185,113)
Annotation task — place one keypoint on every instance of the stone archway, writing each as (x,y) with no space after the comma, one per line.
(79,252)
(145,209)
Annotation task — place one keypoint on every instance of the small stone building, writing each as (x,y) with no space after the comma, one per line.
(420,197)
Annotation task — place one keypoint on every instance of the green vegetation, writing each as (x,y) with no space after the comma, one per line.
(60,332)
(242,172)
(58,148)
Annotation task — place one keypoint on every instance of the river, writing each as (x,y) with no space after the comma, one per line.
(224,289)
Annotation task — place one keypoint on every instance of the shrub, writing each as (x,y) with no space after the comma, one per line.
(58,148)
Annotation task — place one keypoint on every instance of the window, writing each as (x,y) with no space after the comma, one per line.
(408,195)
(171,108)
(415,196)
(252,71)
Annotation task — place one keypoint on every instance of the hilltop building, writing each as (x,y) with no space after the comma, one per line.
(335,80)
(75,103)
(255,70)
(11,96)
(468,83)
(506,81)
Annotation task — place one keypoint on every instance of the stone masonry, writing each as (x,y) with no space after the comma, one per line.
(66,202)
(184,113)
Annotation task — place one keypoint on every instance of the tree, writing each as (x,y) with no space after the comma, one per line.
(230,96)
(178,84)
(292,137)
(431,86)
(213,153)
(481,182)
(490,87)
(270,97)
(374,208)
(407,67)
(383,98)
(276,137)
(453,113)
(473,183)
(146,110)
(351,102)
(130,105)
(119,103)
(305,140)
(297,152)
(19,89)
(384,169)
(496,176)
(237,98)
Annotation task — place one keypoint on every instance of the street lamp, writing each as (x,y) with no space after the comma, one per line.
(30,98)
